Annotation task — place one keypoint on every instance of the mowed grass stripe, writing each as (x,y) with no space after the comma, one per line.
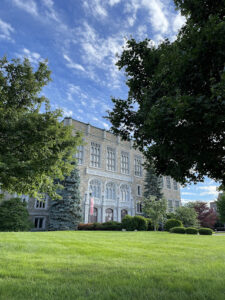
(111,265)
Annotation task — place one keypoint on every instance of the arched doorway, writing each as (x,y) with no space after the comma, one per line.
(108,214)
(123,213)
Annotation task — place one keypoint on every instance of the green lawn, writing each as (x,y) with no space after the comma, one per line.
(111,265)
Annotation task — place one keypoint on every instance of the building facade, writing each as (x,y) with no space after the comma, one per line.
(111,177)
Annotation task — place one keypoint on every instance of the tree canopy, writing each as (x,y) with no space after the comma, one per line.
(176,100)
(220,204)
(35,148)
(152,184)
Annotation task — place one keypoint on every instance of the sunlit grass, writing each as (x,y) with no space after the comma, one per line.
(111,265)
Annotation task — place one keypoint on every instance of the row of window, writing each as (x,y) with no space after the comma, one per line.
(111,163)
(169,183)
(109,215)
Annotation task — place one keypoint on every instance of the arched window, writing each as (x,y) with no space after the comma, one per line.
(111,191)
(108,214)
(123,213)
(125,193)
(94,218)
(95,188)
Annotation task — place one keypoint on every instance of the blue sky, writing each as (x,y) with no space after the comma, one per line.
(80,39)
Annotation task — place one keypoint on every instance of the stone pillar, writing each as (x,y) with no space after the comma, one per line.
(99,214)
(118,210)
(88,129)
(115,217)
(102,211)
(86,207)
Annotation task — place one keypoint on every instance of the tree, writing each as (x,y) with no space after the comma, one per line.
(220,204)
(65,214)
(176,100)
(155,210)
(206,216)
(35,148)
(152,184)
(187,215)
(14,216)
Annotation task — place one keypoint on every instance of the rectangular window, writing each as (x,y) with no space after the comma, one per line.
(175,185)
(170,205)
(177,203)
(139,207)
(168,183)
(95,155)
(80,154)
(139,190)
(39,223)
(160,182)
(40,204)
(111,159)
(137,166)
(124,162)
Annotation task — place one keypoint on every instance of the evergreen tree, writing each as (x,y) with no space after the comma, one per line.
(65,214)
(152,184)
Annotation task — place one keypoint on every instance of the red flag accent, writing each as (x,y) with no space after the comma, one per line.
(91,206)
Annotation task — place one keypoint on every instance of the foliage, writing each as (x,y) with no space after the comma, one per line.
(172,223)
(14,216)
(152,184)
(220,204)
(65,214)
(140,223)
(205,231)
(35,148)
(127,223)
(170,215)
(87,226)
(191,230)
(176,101)
(111,225)
(206,216)
(150,226)
(155,209)
(187,215)
(178,230)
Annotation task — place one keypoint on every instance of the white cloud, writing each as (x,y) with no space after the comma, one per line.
(72,64)
(178,22)
(50,11)
(96,8)
(113,2)
(5,30)
(67,112)
(27,5)
(33,57)
(209,190)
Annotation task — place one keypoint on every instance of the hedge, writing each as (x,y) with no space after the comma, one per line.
(177,230)
(191,230)
(111,225)
(134,223)
(205,231)
(172,223)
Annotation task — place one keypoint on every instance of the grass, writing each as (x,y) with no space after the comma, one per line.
(111,265)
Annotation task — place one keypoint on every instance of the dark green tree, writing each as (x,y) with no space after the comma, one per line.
(220,205)
(176,101)
(14,216)
(35,148)
(152,185)
(65,214)
(187,215)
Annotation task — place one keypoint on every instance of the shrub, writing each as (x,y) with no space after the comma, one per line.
(177,230)
(191,230)
(172,223)
(111,225)
(14,216)
(127,223)
(88,226)
(150,226)
(220,229)
(205,231)
(140,223)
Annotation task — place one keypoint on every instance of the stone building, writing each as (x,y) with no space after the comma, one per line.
(111,173)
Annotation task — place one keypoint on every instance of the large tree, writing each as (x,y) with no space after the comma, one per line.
(155,209)
(35,148)
(176,102)
(65,214)
(220,205)
(152,184)
(206,215)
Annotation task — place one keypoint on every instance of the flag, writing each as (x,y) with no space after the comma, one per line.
(91,206)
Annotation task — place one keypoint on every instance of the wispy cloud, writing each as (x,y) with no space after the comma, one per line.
(96,8)
(6,30)
(209,190)
(29,6)
(73,65)
(33,57)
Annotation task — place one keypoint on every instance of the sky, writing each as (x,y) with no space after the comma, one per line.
(80,39)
